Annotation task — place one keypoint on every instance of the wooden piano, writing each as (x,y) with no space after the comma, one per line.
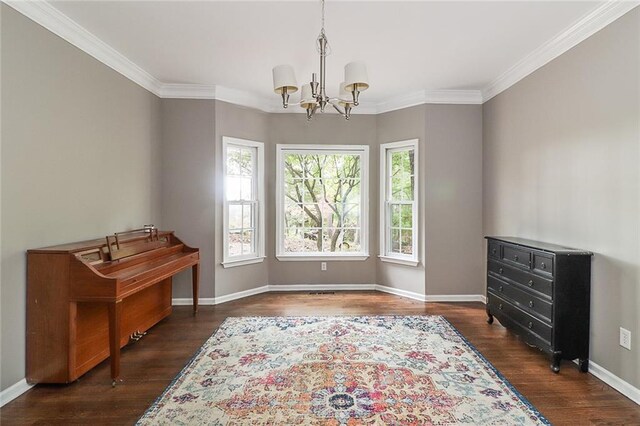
(86,300)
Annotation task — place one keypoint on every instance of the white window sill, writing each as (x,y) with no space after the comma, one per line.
(311,258)
(234,263)
(399,261)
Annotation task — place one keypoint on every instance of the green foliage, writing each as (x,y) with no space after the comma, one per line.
(322,198)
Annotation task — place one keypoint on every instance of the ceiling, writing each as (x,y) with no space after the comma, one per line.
(407,46)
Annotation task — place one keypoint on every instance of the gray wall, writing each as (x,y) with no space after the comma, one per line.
(188,184)
(243,123)
(561,164)
(409,123)
(451,245)
(328,129)
(453,194)
(80,157)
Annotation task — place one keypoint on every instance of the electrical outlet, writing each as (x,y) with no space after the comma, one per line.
(625,338)
(323,266)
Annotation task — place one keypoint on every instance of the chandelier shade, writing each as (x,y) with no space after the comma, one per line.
(306,97)
(284,80)
(356,77)
(344,98)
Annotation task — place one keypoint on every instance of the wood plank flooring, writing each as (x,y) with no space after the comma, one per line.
(148,366)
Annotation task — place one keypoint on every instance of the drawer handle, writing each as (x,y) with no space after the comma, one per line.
(543,265)
(500,270)
(515,257)
(500,306)
(531,303)
(530,325)
(500,288)
(493,251)
(530,283)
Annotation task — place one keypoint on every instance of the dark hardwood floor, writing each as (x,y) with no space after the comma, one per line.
(148,366)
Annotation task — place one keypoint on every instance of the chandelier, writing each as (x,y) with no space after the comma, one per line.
(313,95)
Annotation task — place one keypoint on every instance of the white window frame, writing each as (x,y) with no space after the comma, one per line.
(363,151)
(259,212)
(386,255)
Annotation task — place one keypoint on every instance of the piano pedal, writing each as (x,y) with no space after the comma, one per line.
(137,335)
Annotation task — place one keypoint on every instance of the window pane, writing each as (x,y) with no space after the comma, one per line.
(294,215)
(247,242)
(233,188)
(402,187)
(395,215)
(235,243)
(247,216)
(292,240)
(328,188)
(235,216)
(350,241)
(402,162)
(351,215)
(395,241)
(246,162)
(233,161)
(406,241)
(407,216)
(246,188)
(311,240)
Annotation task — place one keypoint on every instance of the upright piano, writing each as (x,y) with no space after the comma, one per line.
(88,299)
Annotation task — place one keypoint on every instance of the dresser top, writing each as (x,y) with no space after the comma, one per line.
(541,246)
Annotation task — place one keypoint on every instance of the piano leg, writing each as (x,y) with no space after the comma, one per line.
(195,273)
(115,314)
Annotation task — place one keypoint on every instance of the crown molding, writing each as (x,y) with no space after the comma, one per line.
(44,14)
(472,97)
(590,24)
(186,91)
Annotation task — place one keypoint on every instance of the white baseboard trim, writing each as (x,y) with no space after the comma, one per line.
(456,298)
(333,287)
(187,301)
(14,391)
(402,293)
(622,386)
(321,287)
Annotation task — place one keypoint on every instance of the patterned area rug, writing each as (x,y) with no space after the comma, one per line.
(396,370)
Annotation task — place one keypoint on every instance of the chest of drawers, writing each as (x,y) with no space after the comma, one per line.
(541,292)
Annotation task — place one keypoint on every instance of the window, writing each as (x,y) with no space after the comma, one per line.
(399,202)
(322,194)
(243,215)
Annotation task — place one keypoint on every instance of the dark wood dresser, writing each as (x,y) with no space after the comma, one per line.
(542,293)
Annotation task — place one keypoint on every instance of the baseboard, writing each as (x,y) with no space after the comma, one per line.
(321,287)
(241,294)
(14,391)
(401,293)
(333,287)
(187,301)
(625,388)
(456,298)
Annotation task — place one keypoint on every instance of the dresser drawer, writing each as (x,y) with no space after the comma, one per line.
(494,249)
(526,300)
(516,255)
(519,276)
(543,263)
(524,321)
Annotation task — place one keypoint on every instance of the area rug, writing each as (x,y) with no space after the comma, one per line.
(382,370)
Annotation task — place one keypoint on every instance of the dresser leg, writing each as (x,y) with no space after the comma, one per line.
(584,365)
(115,314)
(555,363)
(489,316)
